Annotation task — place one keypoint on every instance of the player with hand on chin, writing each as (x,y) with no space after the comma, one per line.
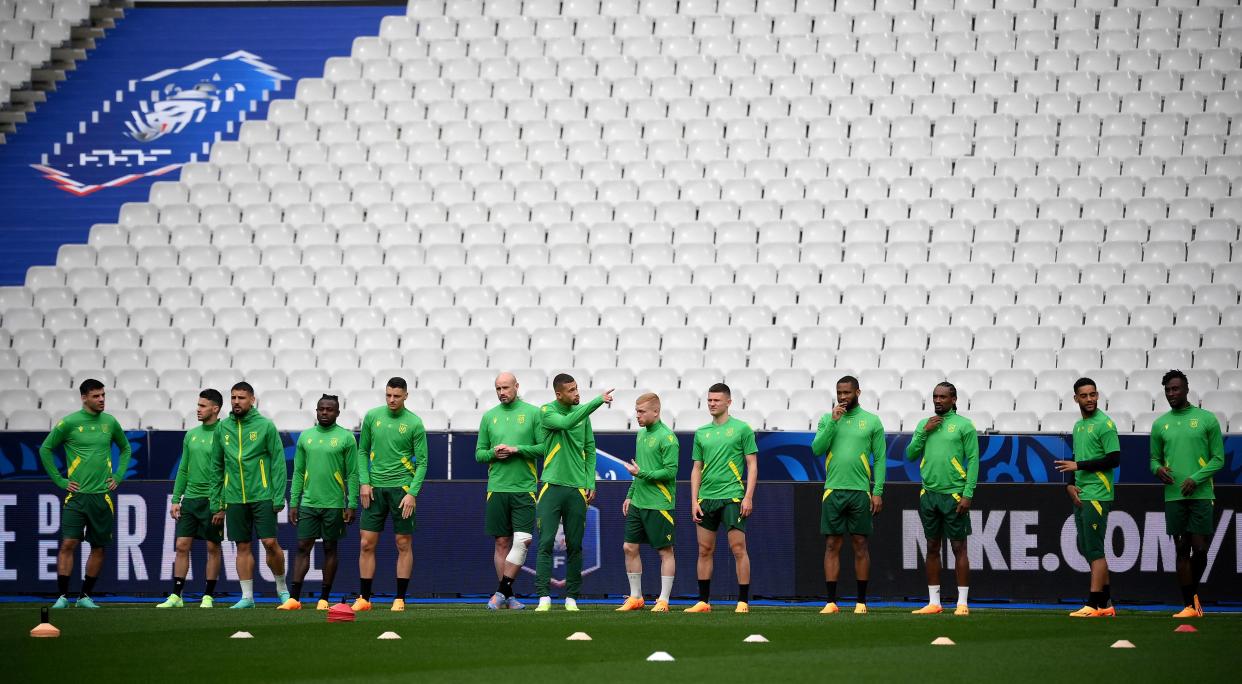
(324,495)
(648,505)
(949,446)
(722,448)
(848,438)
(1097,453)
(1186,451)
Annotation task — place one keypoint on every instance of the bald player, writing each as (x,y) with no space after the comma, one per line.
(508,445)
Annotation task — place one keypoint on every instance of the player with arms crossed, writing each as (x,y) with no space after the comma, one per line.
(722,448)
(87,436)
(648,505)
(568,484)
(848,438)
(949,446)
(254,488)
(197,505)
(394,444)
(508,445)
(1186,451)
(1097,453)
(324,495)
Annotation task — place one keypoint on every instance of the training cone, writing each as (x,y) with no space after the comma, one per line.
(943,641)
(341,612)
(578,636)
(389,635)
(756,639)
(660,657)
(1185,628)
(242,635)
(45,631)
(1122,643)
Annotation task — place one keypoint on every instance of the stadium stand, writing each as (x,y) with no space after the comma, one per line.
(29,32)
(657,194)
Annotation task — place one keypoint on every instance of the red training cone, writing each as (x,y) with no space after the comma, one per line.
(341,613)
(1185,628)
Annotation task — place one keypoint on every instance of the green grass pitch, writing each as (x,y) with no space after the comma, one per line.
(462,643)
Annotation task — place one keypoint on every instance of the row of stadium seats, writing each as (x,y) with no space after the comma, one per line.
(155,415)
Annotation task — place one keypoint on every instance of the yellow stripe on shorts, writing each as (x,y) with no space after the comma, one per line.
(108,498)
(541,491)
(1098,508)
(827,493)
(668,517)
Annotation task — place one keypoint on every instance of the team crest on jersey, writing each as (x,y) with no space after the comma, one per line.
(862,424)
(729,432)
(159,122)
(522,419)
(254,436)
(1090,429)
(1194,422)
(952,428)
(402,428)
(334,442)
(651,441)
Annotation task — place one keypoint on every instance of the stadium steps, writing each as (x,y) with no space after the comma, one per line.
(64,59)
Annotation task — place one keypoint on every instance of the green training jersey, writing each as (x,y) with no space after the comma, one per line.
(253,459)
(200,474)
(395,446)
(848,446)
(1095,437)
(515,425)
(1189,442)
(88,439)
(325,469)
(655,452)
(569,442)
(723,450)
(950,455)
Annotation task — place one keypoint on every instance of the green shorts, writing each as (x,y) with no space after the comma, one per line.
(509,512)
(649,526)
(938,511)
(327,524)
(1091,519)
(195,521)
(717,511)
(245,519)
(88,516)
(1189,516)
(845,511)
(386,500)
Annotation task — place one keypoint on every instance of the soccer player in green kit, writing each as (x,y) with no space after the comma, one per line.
(254,488)
(949,446)
(394,445)
(1097,453)
(197,505)
(648,505)
(87,436)
(717,496)
(1186,451)
(323,497)
(568,484)
(848,438)
(508,445)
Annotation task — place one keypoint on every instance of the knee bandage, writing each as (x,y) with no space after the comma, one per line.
(521,543)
